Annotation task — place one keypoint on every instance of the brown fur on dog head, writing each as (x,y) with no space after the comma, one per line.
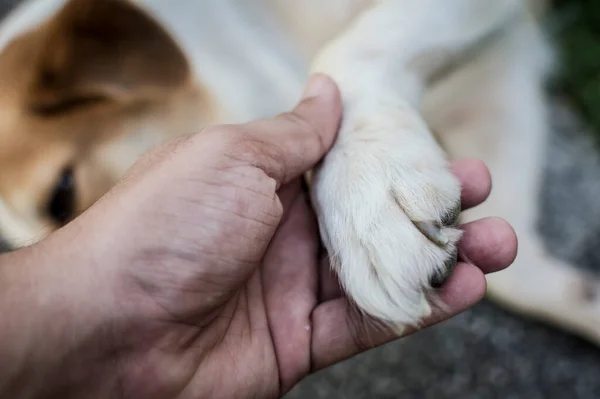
(81,97)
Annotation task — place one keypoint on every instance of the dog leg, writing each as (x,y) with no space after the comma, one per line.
(384,196)
(503,121)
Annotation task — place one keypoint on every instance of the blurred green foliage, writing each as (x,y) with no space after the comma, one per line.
(576,24)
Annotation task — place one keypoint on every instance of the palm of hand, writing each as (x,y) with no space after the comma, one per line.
(265,331)
(260,336)
(232,329)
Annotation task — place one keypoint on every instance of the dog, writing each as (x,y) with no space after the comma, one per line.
(87,86)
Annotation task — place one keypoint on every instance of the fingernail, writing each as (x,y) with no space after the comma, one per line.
(315,86)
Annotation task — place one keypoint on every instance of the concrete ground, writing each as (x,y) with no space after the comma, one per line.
(486,352)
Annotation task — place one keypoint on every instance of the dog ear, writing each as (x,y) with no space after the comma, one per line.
(104,50)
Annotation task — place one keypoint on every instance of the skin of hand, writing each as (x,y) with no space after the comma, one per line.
(200,274)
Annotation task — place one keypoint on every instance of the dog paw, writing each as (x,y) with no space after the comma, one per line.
(387,205)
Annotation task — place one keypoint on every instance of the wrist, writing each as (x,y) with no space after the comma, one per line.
(54,338)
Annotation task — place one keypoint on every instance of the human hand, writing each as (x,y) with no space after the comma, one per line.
(199,274)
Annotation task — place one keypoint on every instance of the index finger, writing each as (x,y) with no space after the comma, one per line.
(475,181)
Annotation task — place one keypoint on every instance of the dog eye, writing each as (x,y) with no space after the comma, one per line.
(62,202)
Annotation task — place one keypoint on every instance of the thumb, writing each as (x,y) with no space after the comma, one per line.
(293,142)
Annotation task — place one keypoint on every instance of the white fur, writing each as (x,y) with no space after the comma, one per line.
(386,170)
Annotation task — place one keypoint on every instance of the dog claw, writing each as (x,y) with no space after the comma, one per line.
(451,219)
(439,279)
(433,231)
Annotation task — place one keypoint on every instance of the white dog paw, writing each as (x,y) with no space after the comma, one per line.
(387,205)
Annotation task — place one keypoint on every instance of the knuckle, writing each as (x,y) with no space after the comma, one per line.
(298,120)
(236,144)
(259,152)
(305,128)
(271,159)
(243,148)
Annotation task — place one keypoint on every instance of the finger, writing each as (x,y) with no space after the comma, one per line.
(339,332)
(288,194)
(329,287)
(464,288)
(293,142)
(489,243)
(475,179)
(289,280)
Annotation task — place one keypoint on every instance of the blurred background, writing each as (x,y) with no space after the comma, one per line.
(486,352)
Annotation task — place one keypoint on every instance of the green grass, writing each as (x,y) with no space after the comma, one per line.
(577,24)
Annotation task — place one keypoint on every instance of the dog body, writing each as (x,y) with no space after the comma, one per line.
(82,95)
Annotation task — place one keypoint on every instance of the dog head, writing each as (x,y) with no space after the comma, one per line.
(82,96)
